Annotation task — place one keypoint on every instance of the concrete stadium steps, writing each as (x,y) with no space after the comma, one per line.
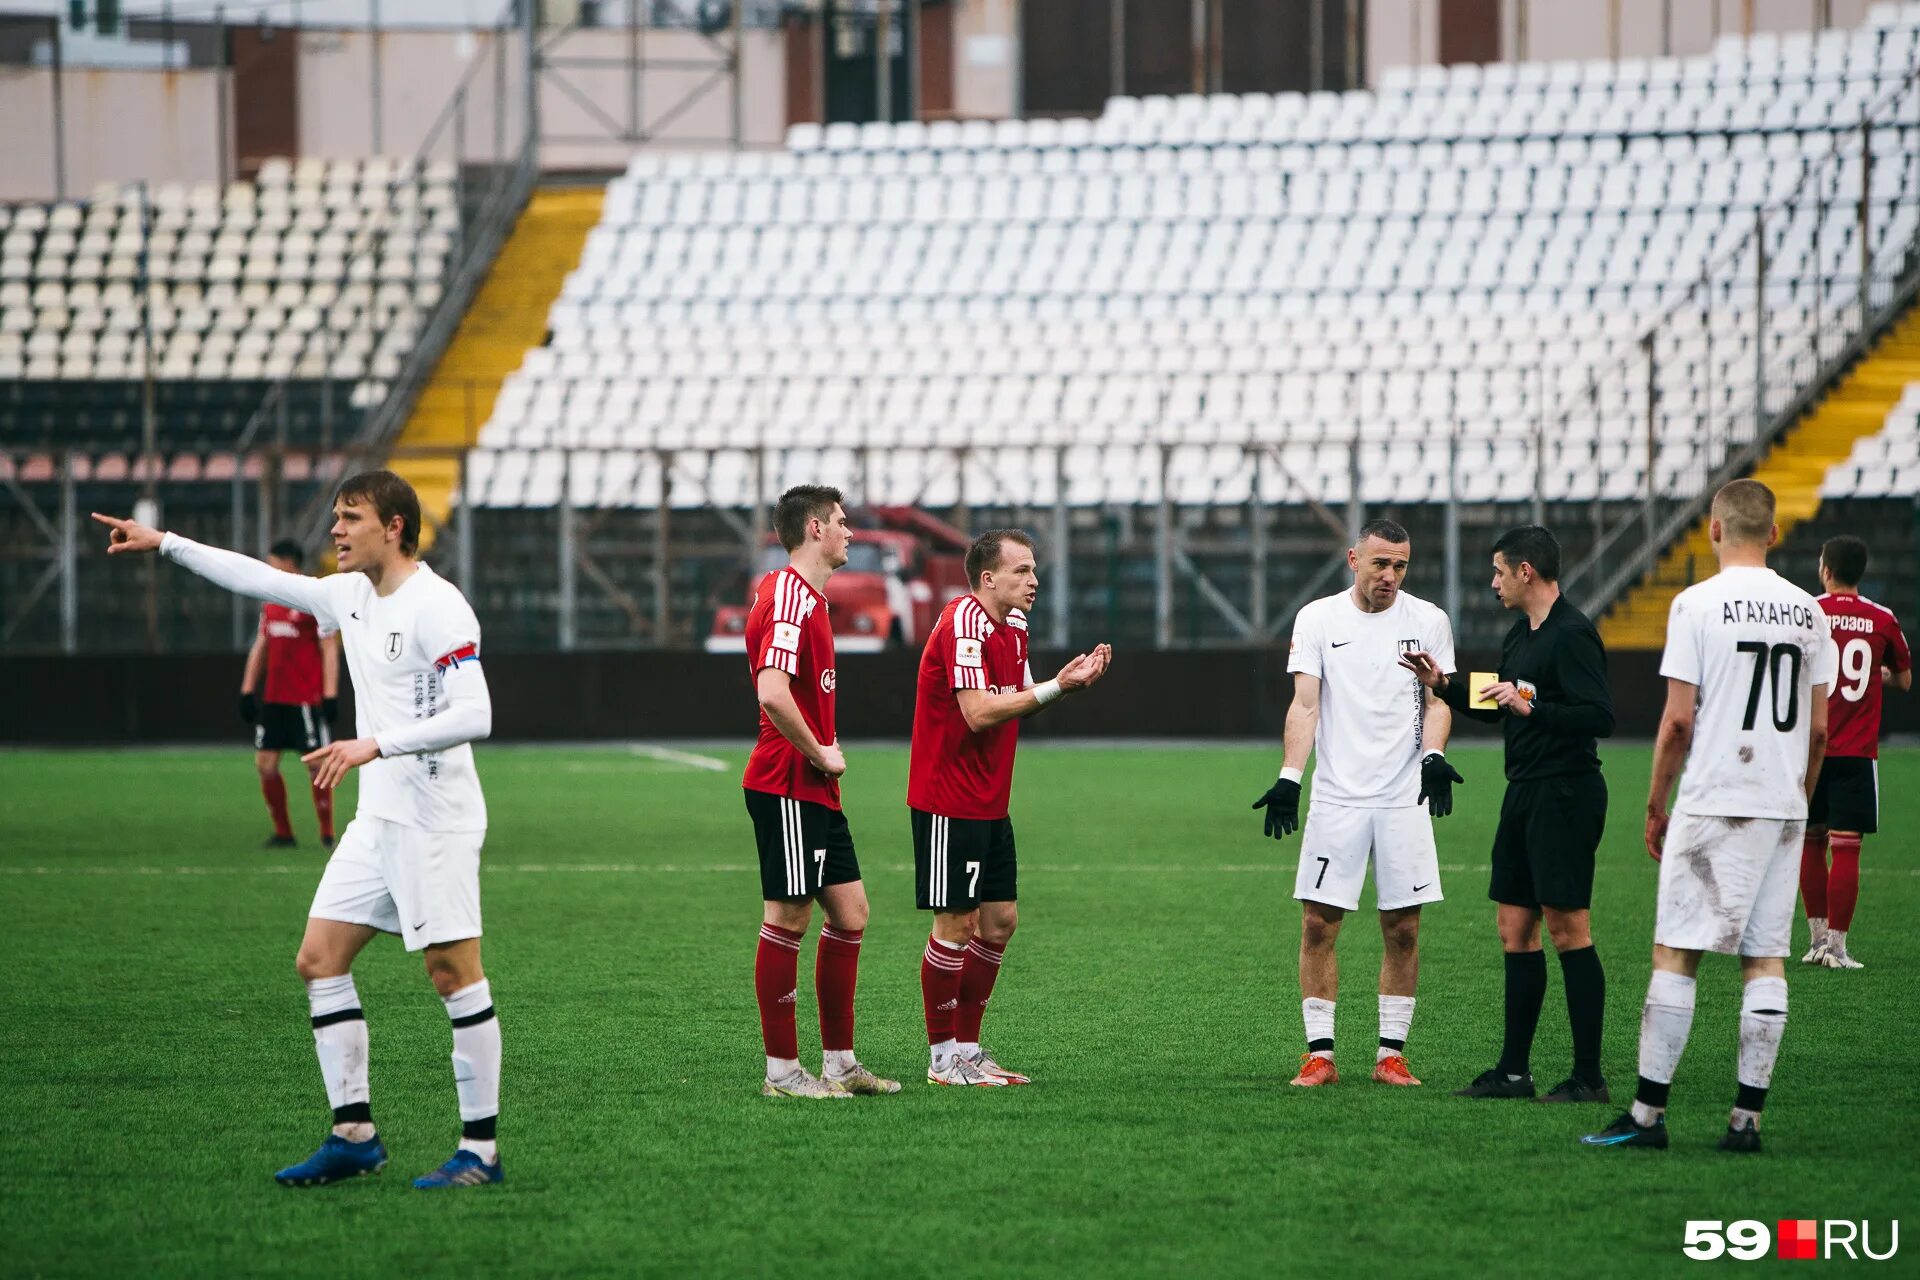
(1794,469)
(507,319)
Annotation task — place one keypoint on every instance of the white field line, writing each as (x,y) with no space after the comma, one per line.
(669,755)
(737,868)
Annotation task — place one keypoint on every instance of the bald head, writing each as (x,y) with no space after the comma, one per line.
(1744,510)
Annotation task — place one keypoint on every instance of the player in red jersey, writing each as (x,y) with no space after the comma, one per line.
(793,795)
(1846,800)
(299,704)
(975,687)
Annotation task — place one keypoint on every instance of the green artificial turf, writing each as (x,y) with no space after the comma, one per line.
(158,1066)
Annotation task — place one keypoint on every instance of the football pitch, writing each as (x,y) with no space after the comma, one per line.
(158,1065)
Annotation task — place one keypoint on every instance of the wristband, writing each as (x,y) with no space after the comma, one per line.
(1046,691)
(1291,774)
(1431,754)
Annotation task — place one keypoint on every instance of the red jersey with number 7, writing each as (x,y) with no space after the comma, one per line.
(1868,638)
(788,630)
(953,771)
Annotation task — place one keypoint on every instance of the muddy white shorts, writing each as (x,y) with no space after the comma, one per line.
(1729,884)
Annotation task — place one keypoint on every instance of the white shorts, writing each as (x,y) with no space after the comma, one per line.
(1729,885)
(1339,842)
(422,885)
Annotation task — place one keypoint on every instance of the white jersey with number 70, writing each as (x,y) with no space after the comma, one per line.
(1758,648)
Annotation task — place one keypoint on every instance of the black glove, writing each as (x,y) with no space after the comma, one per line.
(1282,803)
(249,708)
(1436,784)
(330,711)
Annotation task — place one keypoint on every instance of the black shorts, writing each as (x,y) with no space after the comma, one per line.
(1847,795)
(1543,849)
(804,847)
(287,726)
(959,863)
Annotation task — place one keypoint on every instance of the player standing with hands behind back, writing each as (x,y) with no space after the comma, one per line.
(792,786)
(1380,738)
(1748,665)
(1846,801)
(409,862)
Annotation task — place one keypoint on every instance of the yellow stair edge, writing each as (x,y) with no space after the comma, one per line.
(1794,468)
(507,318)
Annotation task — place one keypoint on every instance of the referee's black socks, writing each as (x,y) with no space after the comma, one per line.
(1526,988)
(1586,1009)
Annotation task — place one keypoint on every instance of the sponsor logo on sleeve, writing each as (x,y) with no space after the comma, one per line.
(966,652)
(786,635)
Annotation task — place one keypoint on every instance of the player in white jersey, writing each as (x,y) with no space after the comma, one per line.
(409,862)
(1748,663)
(1380,740)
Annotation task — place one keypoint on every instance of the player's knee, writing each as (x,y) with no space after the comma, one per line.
(448,975)
(267,763)
(998,927)
(312,964)
(851,916)
(1318,930)
(1402,933)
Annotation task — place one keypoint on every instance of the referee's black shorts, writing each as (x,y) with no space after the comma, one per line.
(1543,850)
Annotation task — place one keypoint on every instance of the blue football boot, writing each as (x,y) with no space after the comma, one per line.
(336,1160)
(466,1169)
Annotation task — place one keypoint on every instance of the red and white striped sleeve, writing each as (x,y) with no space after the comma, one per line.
(968,664)
(783,635)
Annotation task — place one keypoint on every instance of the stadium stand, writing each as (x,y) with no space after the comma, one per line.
(317,275)
(1468,252)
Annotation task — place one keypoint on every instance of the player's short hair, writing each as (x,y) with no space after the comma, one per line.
(389,496)
(1385,530)
(984,554)
(1744,509)
(1845,558)
(800,504)
(1532,544)
(289,550)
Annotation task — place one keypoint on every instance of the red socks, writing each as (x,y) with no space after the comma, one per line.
(836,971)
(976,986)
(323,809)
(274,788)
(1843,882)
(775,970)
(940,977)
(1813,875)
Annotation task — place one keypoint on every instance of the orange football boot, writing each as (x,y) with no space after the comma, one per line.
(1315,1070)
(1393,1070)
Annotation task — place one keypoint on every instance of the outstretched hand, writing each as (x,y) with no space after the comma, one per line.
(128,535)
(1085,669)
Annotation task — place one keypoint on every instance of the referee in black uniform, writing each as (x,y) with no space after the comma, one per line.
(1551,702)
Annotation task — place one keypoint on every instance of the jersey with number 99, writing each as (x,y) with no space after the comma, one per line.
(1868,638)
(1756,647)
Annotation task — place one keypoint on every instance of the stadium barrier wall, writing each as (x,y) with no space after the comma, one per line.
(553,697)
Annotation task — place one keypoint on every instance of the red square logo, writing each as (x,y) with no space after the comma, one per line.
(1798,1238)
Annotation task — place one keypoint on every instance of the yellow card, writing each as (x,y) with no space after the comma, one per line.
(1477,681)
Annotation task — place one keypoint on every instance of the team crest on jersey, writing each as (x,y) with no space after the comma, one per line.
(394,645)
(1409,646)
(829,680)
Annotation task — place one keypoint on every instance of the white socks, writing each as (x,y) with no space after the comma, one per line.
(340,1041)
(1318,1015)
(837,1062)
(1396,1018)
(1666,1020)
(1763,1020)
(943,1052)
(476,1066)
(1817,929)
